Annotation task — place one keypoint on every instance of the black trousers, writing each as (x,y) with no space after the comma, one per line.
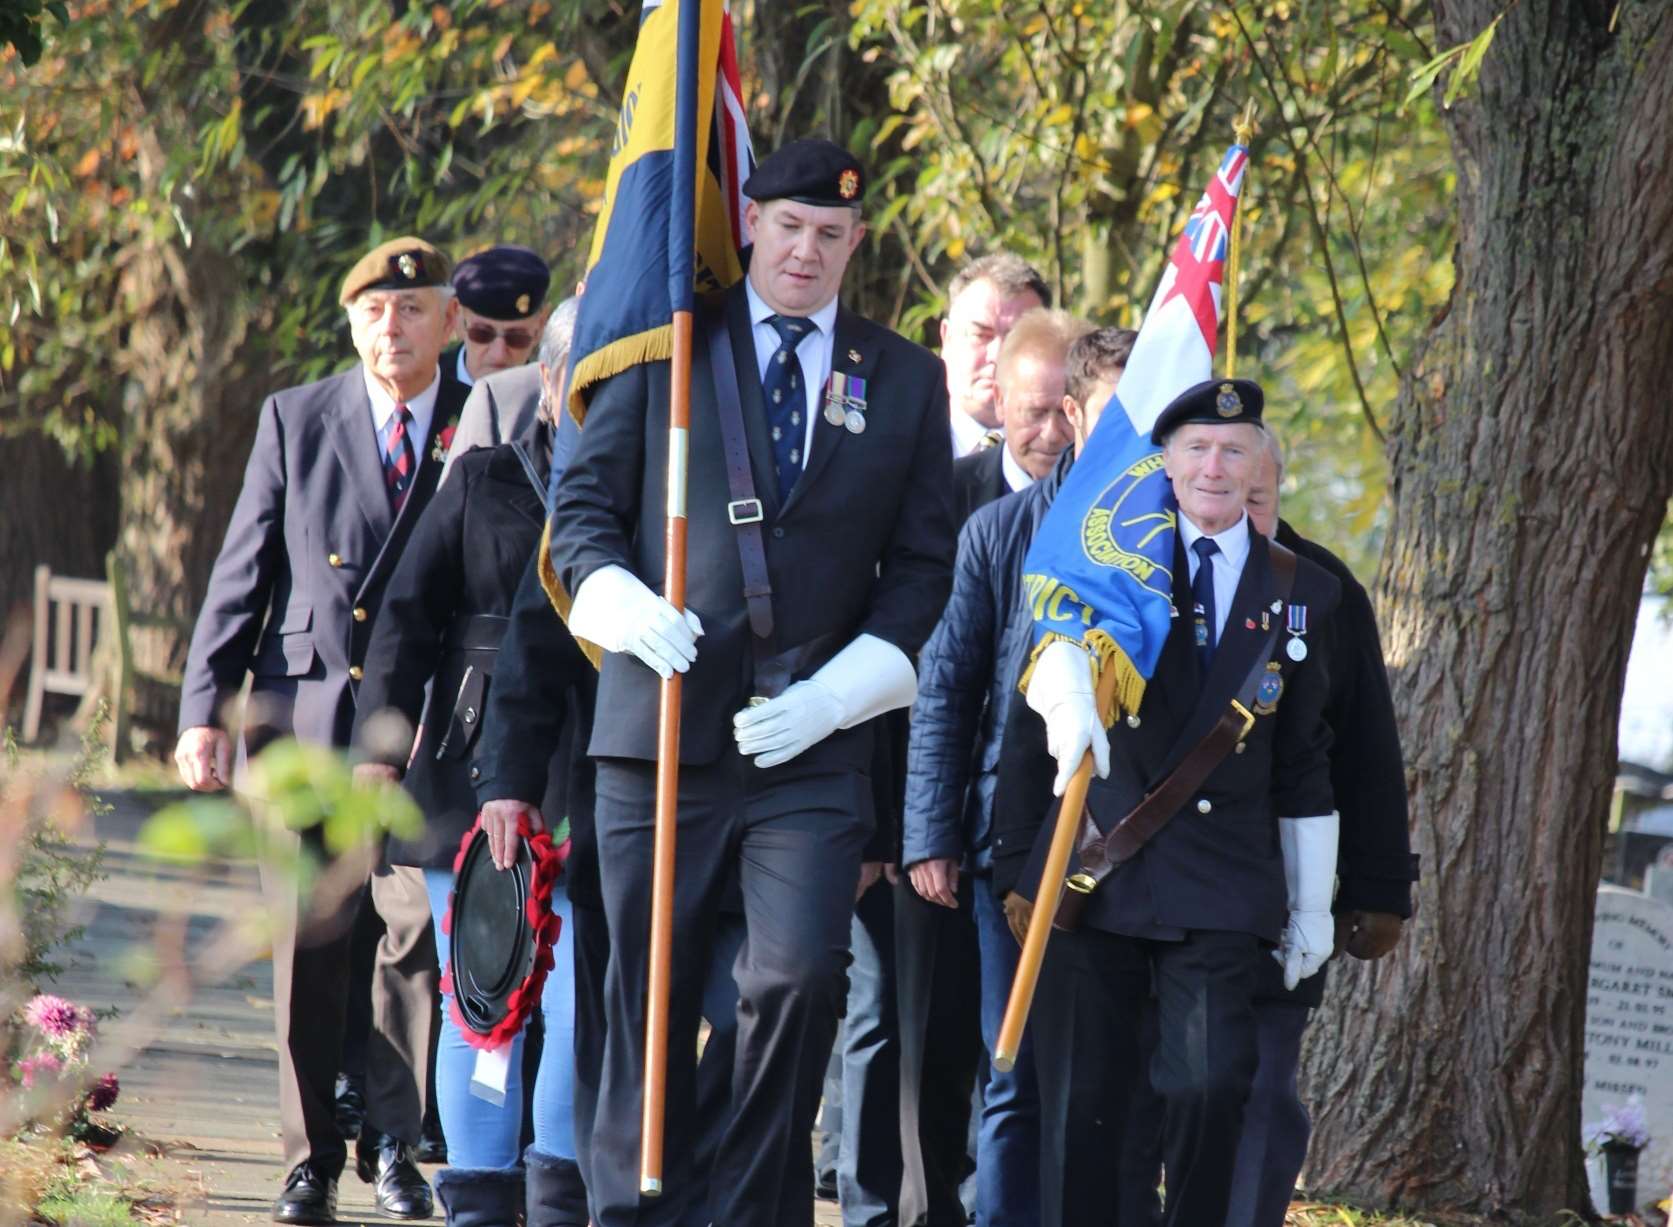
(1089,1017)
(938,970)
(792,837)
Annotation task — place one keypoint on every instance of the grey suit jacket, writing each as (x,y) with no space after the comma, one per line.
(300,575)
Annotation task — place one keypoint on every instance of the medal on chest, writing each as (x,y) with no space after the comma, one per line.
(1296,648)
(1269,689)
(845,402)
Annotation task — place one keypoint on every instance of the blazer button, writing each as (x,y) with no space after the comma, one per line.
(476,773)
(359,614)
(335,560)
(1132,722)
(1242,746)
(1204,806)
(470,714)
(778,533)
(356,672)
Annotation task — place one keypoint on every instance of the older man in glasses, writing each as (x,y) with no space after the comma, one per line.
(502,310)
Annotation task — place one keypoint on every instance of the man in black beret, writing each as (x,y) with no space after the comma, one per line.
(1243,862)
(502,310)
(340,471)
(818,562)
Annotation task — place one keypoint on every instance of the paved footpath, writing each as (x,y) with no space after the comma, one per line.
(204,1087)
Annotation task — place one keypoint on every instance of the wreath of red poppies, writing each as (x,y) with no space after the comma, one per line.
(548,863)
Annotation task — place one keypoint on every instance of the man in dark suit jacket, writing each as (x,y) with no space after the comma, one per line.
(850,527)
(1248,863)
(339,472)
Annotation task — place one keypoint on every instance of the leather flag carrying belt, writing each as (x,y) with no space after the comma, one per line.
(1099,854)
(773,673)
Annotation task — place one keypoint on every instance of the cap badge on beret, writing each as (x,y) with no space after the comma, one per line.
(407,264)
(1228,404)
(848,184)
(522,304)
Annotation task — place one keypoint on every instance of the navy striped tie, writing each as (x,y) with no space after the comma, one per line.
(786,400)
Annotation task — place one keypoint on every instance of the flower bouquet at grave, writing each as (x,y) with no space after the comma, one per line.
(1619,1136)
(52,1040)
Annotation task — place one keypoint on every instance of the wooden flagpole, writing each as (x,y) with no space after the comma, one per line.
(1047,897)
(681,258)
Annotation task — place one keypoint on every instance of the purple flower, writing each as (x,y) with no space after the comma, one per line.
(103,1093)
(56,1018)
(1622,1125)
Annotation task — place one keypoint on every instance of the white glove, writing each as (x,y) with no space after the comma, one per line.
(614,609)
(1060,690)
(1310,874)
(867,678)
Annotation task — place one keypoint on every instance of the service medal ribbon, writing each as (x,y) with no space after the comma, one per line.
(1298,620)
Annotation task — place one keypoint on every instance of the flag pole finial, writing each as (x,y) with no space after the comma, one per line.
(1243,130)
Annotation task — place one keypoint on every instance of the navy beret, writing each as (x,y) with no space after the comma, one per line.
(503,283)
(401,264)
(811,171)
(1222,402)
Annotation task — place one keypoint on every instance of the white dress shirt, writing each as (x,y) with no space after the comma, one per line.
(422,407)
(1228,563)
(1016,477)
(968,433)
(813,351)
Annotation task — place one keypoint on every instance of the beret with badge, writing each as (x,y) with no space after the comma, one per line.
(503,283)
(811,171)
(1218,402)
(407,263)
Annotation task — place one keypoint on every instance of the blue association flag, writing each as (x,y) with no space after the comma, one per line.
(1100,570)
(653,246)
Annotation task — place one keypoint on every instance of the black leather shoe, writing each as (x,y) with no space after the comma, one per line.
(387,1165)
(350,1108)
(308,1197)
(432,1146)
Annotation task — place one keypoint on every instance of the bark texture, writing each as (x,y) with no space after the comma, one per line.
(1531,463)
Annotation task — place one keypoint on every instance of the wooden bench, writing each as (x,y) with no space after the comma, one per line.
(71,616)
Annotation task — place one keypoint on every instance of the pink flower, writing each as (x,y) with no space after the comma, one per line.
(56,1018)
(43,1062)
(103,1093)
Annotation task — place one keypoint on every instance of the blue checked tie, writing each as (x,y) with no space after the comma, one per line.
(1202,596)
(786,400)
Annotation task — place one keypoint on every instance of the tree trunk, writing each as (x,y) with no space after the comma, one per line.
(1531,462)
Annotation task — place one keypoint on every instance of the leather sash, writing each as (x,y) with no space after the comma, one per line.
(1100,854)
(745,511)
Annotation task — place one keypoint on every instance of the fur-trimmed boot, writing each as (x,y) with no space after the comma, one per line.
(481,1196)
(556,1196)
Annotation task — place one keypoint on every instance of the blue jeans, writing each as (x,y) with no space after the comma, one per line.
(1008,1145)
(478,1133)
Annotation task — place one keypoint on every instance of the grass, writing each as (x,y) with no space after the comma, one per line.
(86,1209)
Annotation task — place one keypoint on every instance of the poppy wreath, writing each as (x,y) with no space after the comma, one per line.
(548,861)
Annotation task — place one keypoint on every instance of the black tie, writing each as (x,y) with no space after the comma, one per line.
(1202,596)
(786,400)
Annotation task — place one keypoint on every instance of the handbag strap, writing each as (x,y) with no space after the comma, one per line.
(1099,853)
(529,470)
(745,510)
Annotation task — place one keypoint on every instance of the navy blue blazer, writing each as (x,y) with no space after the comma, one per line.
(301,573)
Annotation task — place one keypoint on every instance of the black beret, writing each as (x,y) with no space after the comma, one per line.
(401,264)
(503,283)
(811,171)
(1222,402)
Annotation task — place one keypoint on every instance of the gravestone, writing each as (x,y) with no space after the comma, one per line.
(1629,1024)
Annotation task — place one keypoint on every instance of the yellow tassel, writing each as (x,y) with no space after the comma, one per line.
(1103,653)
(561,600)
(656,345)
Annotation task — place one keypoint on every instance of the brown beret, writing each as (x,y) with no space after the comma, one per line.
(400,264)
